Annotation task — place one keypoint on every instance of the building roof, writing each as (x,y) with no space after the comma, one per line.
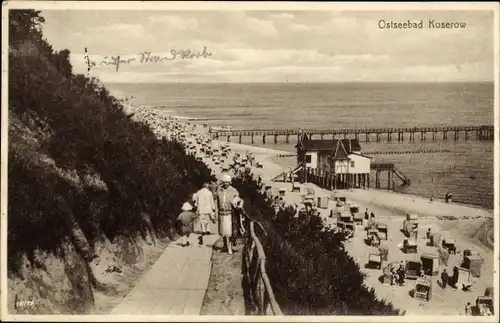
(318,144)
(339,153)
(349,145)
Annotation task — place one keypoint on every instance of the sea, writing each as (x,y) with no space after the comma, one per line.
(463,167)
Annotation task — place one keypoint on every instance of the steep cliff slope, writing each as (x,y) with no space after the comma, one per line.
(92,194)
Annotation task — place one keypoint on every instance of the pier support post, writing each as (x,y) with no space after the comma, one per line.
(389,180)
(368,181)
(252,139)
(378,137)
(466,135)
(228,138)
(367,137)
(433,136)
(455,137)
(240,139)
(263,139)
(287,139)
(389,137)
(275,139)
(445,135)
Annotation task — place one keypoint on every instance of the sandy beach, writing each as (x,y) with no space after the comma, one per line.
(471,227)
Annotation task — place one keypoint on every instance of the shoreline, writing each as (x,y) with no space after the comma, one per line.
(285,161)
(380,194)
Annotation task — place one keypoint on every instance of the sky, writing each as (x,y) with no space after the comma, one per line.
(277,46)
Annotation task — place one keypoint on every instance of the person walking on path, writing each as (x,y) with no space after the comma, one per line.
(455,277)
(185,221)
(227,200)
(444,278)
(468,309)
(205,206)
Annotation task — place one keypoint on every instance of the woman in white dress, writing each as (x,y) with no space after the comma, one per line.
(227,199)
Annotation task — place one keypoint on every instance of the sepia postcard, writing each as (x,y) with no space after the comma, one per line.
(249,161)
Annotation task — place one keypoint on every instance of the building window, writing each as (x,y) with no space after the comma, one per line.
(308,158)
(352,164)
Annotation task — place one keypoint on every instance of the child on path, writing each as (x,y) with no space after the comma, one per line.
(185,221)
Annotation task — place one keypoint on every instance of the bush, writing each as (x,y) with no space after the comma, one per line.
(309,269)
(84,130)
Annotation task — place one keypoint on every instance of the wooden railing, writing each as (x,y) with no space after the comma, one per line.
(259,293)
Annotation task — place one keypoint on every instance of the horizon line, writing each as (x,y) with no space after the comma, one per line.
(305,82)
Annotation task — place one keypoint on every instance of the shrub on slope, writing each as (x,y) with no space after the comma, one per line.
(309,269)
(83,129)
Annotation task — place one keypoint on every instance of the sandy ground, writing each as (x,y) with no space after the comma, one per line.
(470,226)
(224,295)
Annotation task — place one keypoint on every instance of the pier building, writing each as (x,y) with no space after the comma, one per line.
(340,159)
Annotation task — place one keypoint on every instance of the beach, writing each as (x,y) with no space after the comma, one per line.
(470,226)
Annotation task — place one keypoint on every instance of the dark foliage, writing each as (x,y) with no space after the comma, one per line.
(310,271)
(88,132)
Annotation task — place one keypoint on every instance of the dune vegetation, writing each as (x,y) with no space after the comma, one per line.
(310,271)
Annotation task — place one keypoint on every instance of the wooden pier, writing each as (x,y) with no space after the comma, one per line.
(484,132)
(391,152)
(392,173)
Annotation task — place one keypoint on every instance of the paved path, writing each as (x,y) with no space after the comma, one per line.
(175,284)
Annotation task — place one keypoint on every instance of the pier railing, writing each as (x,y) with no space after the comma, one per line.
(259,292)
(391,152)
(482,132)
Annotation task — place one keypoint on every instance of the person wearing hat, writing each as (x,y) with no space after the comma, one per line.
(228,199)
(185,221)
